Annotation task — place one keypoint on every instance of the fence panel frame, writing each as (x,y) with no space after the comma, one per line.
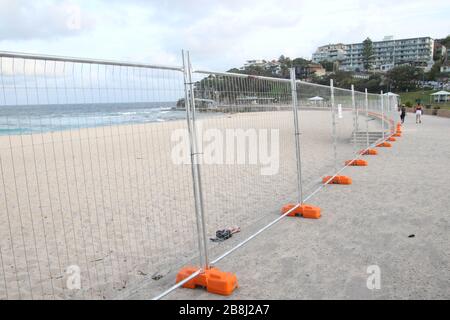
(196,157)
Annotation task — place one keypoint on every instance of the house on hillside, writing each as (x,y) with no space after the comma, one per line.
(304,72)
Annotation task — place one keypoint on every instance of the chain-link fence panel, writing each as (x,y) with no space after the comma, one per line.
(92,198)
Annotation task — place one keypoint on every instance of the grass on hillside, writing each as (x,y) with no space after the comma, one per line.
(424,96)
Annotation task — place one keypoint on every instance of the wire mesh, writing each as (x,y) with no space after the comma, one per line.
(345,126)
(99,191)
(375,114)
(316,134)
(88,183)
(248,152)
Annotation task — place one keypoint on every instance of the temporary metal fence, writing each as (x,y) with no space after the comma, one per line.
(114,175)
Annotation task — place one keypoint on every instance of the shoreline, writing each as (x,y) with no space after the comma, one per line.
(219,112)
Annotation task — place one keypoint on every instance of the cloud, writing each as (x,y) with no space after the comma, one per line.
(219,34)
(233,31)
(25,20)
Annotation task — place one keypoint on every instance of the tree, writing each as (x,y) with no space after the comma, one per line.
(446,42)
(344,79)
(341,79)
(285,64)
(254,71)
(434,72)
(328,65)
(367,54)
(373,84)
(300,62)
(234,70)
(403,78)
(273,70)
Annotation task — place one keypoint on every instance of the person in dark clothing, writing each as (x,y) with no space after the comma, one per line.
(403,113)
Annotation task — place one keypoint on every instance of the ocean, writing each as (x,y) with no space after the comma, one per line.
(28,119)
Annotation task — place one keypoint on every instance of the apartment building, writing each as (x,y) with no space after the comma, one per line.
(386,54)
(331,52)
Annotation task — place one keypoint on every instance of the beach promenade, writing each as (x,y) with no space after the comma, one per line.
(395,215)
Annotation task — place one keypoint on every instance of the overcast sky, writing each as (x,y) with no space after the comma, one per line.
(219,34)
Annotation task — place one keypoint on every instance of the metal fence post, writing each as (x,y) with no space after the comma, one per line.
(382,114)
(357,116)
(195,163)
(297,136)
(333,117)
(390,114)
(388,111)
(355,128)
(366,102)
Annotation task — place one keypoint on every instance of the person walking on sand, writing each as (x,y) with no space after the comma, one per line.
(419,113)
(402,113)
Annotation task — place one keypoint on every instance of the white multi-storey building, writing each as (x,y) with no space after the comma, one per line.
(331,52)
(386,54)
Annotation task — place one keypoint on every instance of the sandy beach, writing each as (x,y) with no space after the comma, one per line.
(394,216)
(111,201)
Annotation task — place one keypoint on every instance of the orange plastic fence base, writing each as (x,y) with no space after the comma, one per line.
(356,163)
(369,152)
(214,280)
(397,135)
(391,139)
(398,131)
(384,145)
(337,180)
(305,210)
